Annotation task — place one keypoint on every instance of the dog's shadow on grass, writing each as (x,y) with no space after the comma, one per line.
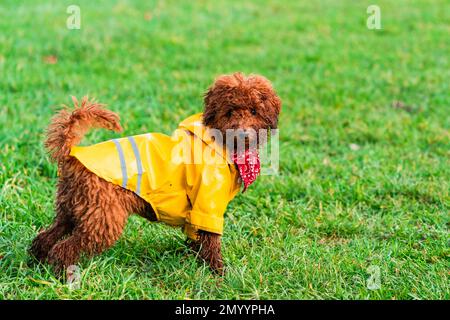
(145,254)
(170,255)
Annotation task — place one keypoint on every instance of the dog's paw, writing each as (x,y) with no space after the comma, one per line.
(38,250)
(213,259)
(217,267)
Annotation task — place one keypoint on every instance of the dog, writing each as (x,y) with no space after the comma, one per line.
(100,186)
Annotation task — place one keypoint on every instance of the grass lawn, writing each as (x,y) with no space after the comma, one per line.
(364,143)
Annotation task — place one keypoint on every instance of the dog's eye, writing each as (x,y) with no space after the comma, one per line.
(253,111)
(229,113)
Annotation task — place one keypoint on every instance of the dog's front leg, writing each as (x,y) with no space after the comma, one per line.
(210,250)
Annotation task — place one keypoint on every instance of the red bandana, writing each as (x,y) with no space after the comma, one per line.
(248,165)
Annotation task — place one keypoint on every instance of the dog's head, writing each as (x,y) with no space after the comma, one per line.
(243,104)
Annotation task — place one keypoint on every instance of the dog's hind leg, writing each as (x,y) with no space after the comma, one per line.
(45,240)
(97,230)
(99,211)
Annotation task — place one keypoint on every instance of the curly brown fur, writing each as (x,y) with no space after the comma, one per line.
(236,102)
(210,250)
(239,102)
(67,128)
(91,213)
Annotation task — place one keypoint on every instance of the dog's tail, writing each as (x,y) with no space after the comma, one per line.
(67,128)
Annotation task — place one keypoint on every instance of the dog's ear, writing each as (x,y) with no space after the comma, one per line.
(268,97)
(275,103)
(214,97)
(210,111)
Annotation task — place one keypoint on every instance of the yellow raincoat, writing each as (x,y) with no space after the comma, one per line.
(187,178)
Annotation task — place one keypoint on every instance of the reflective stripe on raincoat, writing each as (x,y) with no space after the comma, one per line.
(187,178)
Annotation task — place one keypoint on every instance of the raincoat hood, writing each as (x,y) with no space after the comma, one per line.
(194,124)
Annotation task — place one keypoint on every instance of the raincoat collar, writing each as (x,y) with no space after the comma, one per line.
(195,125)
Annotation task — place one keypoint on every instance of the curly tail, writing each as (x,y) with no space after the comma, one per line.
(68,128)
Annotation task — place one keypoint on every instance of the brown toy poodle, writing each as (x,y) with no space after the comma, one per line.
(92,207)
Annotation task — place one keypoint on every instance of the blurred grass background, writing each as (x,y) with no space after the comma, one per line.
(364,142)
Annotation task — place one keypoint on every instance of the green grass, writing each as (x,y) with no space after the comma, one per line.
(310,232)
